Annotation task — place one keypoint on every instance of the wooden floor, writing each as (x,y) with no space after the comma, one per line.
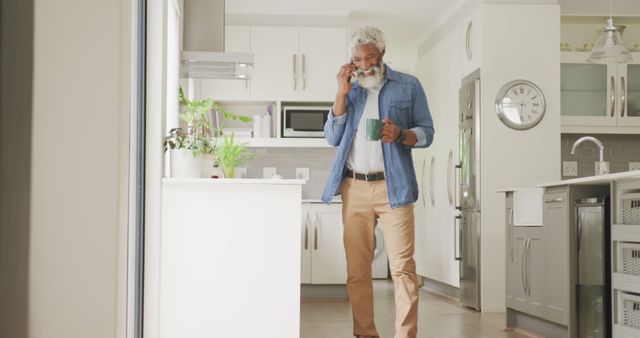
(439,317)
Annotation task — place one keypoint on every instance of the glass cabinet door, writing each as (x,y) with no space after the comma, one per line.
(583,90)
(632,79)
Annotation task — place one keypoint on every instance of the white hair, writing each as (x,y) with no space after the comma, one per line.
(367,35)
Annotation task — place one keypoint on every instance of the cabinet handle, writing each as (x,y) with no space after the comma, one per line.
(522,265)
(457,238)
(468,40)
(295,73)
(623,91)
(304,72)
(579,230)
(315,234)
(306,233)
(555,200)
(449,165)
(510,227)
(424,165)
(431,193)
(528,266)
(613,96)
(456,186)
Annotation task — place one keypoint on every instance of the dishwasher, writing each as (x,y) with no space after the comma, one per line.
(593,289)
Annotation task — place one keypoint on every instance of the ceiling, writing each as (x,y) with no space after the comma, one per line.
(412,18)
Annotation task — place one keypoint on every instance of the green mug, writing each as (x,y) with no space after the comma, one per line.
(373,129)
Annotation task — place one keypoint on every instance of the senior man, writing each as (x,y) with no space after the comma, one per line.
(376,178)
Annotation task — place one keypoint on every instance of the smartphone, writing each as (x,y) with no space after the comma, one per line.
(354,74)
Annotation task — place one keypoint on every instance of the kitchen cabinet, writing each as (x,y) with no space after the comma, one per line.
(469,39)
(556,233)
(436,226)
(528,286)
(296,63)
(323,257)
(599,95)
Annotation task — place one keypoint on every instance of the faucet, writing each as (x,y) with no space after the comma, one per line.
(602,169)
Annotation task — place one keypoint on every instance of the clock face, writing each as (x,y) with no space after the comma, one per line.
(520,104)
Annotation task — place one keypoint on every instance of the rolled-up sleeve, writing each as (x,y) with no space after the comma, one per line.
(422,117)
(334,128)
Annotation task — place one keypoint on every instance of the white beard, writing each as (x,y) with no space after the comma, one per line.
(371,81)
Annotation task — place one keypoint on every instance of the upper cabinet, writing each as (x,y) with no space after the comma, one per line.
(290,63)
(598,98)
(470,40)
(599,94)
(297,63)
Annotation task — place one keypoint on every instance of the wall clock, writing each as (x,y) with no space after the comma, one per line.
(520,104)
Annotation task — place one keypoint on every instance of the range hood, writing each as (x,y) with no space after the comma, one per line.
(203,53)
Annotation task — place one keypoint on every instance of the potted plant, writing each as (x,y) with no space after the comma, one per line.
(192,149)
(230,155)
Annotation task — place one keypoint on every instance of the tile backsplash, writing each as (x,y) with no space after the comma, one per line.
(286,160)
(619,150)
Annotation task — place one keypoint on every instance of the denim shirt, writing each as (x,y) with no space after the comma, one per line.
(404,102)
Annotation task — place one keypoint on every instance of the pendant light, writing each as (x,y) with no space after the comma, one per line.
(610,47)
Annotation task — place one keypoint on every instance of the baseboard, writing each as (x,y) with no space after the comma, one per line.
(534,327)
(323,292)
(441,288)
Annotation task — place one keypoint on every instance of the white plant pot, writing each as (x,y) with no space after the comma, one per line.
(207,166)
(184,164)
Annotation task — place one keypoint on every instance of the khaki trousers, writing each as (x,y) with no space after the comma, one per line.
(362,203)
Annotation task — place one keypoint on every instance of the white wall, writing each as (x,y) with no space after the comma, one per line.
(527,50)
(80,112)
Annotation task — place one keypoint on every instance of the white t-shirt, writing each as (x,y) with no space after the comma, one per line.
(366,156)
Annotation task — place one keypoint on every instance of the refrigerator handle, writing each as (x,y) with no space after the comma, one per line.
(457,236)
(456,196)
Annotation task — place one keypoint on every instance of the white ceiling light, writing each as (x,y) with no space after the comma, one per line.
(610,47)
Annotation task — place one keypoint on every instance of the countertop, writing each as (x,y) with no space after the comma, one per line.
(589,180)
(593,180)
(214,181)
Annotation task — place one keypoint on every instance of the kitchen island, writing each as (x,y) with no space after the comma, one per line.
(230,258)
(572,275)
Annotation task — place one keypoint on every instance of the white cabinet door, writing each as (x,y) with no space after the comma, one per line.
(629,84)
(275,60)
(420,212)
(328,262)
(556,227)
(237,39)
(599,95)
(469,38)
(305,261)
(519,295)
(322,52)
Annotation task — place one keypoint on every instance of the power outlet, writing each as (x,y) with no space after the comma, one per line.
(569,168)
(269,172)
(634,165)
(601,168)
(302,173)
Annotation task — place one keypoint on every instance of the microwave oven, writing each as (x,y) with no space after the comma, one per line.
(304,121)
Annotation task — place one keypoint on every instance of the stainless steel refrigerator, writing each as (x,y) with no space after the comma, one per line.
(469,194)
(593,287)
